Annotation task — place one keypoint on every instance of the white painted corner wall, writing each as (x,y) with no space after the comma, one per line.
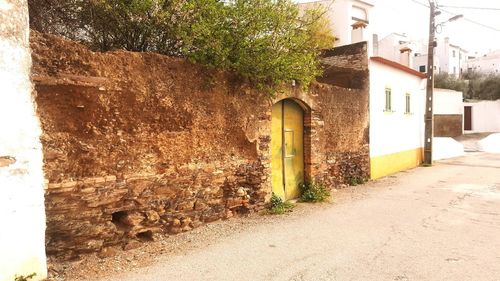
(22,212)
(392,132)
(448,102)
(340,13)
(485,116)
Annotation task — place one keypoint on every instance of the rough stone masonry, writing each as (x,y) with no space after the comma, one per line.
(138,144)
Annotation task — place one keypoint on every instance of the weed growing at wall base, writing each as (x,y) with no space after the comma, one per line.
(313,192)
(278,207)
(357,181)
(24,278)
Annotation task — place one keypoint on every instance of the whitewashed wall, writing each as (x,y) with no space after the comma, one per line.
(448,101)
(485,116)
(390,47)
(490,63)
(340,14)
(449,63)
(22,214)
(422,60)
(392,132)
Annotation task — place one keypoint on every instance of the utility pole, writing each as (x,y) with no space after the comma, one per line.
(429,118)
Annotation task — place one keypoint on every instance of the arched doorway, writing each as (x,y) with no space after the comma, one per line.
(287,148)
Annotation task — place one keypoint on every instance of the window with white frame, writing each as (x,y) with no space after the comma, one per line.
(408,103)
(359,14)
(388,99)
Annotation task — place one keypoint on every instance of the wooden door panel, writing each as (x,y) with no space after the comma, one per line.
(468,118)
(276,150)
(294,148)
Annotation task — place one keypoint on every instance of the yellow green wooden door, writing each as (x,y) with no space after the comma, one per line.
(287,148)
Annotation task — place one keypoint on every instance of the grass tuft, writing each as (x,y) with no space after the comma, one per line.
(278,207)
(313,192)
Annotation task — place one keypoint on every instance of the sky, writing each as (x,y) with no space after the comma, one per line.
(406,16)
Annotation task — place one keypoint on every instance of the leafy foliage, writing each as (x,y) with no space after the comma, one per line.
(318,28)
(264,41)
(313,192)
(278,207)
(447,81)
(134,25)
(357,181)
(474,85)
(489,88)
(267,42)
(59,17)
(24,278)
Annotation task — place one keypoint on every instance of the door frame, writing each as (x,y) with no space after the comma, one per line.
(467,121)
(307,126)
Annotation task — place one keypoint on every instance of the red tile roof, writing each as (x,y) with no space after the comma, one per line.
(399,66)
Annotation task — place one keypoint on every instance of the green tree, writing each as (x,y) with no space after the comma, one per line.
(134,25)
(489,88)
(265,41)
(446,81)
(474,85)
(318,27)
(60,17)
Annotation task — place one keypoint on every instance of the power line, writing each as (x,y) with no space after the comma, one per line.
(420,3)
(471,8)
(473,21)
(464,18)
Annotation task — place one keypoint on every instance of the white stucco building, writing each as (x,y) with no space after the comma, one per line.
(482,116)
(420,63)
(350,19)
(400,48)
(489,63)
(397,99)
(452,58)
(397,47)
(448,58)
(22,212)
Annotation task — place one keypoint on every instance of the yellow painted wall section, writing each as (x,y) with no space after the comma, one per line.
(385,165)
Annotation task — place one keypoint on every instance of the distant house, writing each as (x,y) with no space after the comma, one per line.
(396,90)
(395,47)
(482,116)
(420,63)
(452,58)
(349,19)
(396,117)
(489,63)
(448,58)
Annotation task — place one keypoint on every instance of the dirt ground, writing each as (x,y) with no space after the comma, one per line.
(437,223)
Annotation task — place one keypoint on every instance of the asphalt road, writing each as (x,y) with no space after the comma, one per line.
(437,223)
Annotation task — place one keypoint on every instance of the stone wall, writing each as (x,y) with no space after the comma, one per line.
(138,145)
(448,125)
(22,234)
(346,66)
